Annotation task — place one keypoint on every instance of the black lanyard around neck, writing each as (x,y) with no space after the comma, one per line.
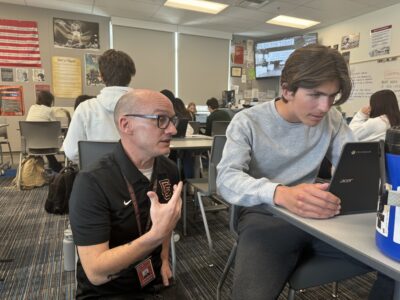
(136,208)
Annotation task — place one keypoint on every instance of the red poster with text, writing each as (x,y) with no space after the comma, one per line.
(11,100)
(239,54)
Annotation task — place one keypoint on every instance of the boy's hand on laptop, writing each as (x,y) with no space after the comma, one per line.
(308,200)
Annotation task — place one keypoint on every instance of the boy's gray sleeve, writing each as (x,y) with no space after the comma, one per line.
(234,183)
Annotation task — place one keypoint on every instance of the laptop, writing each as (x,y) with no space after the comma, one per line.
(357,178)
(181,128)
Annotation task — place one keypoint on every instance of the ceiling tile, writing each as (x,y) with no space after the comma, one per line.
(61,5)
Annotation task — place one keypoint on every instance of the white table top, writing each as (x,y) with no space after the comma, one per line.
(352,234)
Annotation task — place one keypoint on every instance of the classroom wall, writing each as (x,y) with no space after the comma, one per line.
(359,56)
(44,18)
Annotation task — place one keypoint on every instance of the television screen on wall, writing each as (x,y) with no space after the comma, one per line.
(270,56)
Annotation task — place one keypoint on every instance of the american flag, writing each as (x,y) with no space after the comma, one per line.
(19,44)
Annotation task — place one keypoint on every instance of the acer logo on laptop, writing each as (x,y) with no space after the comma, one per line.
(346,180)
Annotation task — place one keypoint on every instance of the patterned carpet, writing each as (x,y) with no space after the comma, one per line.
(33,239)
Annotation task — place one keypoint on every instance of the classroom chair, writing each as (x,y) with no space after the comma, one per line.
(4,139)
(206,187)
(38,138)
(219,127)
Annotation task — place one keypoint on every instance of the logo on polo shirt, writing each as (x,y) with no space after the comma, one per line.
(166,188)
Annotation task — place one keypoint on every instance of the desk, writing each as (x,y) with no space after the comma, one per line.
(352,234)
(192,143)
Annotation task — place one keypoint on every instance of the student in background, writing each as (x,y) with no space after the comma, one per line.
(81,99)
(275,151)
(371,122)
(186,156)
(42,112)
(215,114)
(179,108)
(191,108)
(93,119)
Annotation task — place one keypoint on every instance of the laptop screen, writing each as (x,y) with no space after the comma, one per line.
(357,177)
(181,128)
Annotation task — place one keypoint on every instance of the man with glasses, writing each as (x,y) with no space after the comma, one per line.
(274,153)
(123,209)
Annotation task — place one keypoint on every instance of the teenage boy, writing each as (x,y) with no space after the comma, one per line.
(275,150)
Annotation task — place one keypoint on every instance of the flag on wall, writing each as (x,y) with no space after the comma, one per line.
(19,44)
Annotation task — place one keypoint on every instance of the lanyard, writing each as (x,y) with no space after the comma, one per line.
(136,206)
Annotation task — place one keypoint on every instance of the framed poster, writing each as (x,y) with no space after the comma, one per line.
(75,34)
(236,71)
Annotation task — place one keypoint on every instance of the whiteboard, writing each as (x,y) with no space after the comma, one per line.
(371,76)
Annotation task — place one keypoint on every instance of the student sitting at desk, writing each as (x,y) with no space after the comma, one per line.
(41,111)
(371,122)
(215,114)
(191,108)
(275,150)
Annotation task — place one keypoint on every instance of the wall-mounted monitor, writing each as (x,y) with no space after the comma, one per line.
(270,56)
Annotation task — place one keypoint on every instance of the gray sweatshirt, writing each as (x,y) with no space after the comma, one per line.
(263,150)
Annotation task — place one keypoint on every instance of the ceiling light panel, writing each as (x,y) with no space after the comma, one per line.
(292,22)
(208,7)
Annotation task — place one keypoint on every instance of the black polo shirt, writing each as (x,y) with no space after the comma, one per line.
(100,210)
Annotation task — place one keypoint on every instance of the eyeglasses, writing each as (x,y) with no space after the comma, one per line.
(162,120)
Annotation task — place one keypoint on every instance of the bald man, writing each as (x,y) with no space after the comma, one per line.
(124,208)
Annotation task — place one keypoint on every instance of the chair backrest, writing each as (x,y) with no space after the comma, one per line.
(63,116)
(196,126)
(90,151)
(216,155)
(219,127)
(3,129)
(37,135)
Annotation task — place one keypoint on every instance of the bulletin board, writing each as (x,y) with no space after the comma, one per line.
(371,76)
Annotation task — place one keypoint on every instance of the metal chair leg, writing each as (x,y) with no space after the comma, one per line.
(184,208)
(203,215)
(173,255)
(19,172)
(335,287)
(226,270)
(291,294)
(11,156)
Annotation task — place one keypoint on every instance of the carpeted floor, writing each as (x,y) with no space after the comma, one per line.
(33,239)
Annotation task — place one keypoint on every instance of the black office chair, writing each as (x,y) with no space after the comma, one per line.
(219,127)
(90,151)
(311,271)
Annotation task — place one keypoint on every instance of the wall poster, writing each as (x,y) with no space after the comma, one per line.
(75,34)
(11,100)
(67,76)
(92,72)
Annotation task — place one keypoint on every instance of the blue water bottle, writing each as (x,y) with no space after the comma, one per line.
(388,217)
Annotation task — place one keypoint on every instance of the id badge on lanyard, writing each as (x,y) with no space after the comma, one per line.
(144,269)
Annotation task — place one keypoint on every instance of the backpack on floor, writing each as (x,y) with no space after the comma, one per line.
(60,190)
(32,173)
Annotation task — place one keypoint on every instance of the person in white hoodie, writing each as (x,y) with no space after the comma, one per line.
(371,122)
(94,118)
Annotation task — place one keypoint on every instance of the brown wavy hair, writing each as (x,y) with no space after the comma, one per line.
(313,65)
(384,102)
